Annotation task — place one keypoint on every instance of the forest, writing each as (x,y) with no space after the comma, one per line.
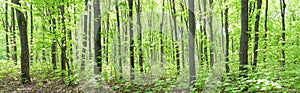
(149,46)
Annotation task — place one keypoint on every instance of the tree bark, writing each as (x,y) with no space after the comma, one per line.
(97,35)
(5,24)
(139,28)
(192,27)
(227,39)
(282,7)
(266,30)
(244,39)
(24,45)
(63,40)
(131,42)
(14,41)
(256,35)
(211,38)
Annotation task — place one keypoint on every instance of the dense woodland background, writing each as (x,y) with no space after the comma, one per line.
(149,46)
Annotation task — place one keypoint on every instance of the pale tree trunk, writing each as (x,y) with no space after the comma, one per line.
(161,35)
(84,43)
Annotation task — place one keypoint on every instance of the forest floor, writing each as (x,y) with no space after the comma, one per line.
(41,81)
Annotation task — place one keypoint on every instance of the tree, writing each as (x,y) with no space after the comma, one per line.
(63,39)
(256,35)
(14,41)
(192,28)
(25,78)
(131,45)
(282,10)
(266,30)
(7,31)
(244,38)
(227,39)
(97,35)
(138,12)
(211,33)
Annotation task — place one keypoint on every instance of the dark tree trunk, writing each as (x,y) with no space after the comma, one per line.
(256,36)
(244,39)
(131,46)
(63,40)
(138,12)
(53,45)
(31,33)
(161,35)
(192,27)
(282,7)
(14,41)
(5,24)
(227,39)
(175,35)
(24,45)
(119,40)
(266,30)
(97,35)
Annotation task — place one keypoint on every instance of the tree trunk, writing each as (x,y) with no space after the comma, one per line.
(14,41)
(256,36)
(211,49)
(63,40)
(282,7)
(119,40)
(244,39)
(139,28)
(97,35)
(161,34)
(24,45)
(53,45)
(85,26)
(131,46)
(227,39)
(192,27)
(266,30)
(175,35)
(5,24)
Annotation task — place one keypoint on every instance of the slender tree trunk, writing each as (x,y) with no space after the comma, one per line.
(192,27)
(244,39)
(14,41)
(256,36)
(282,7)
(266,30)
(227,39)
(138,12)
(131,42)
(7,31)
(31,33)
(119,40)
(24,45)
(161,34)
(85,26)
(212,55)
(97,36)
(63,40)
(176,36)
(204,32)
(53,45)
